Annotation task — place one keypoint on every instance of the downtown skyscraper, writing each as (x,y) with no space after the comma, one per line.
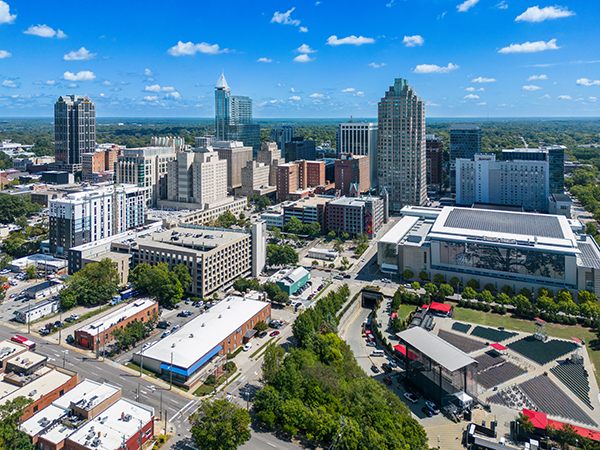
(401,148)
(74,131)
(233,117)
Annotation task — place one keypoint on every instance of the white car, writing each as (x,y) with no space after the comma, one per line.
(248,346)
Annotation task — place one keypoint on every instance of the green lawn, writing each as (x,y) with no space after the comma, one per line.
(205,389)
(592,343)
(135,367)
(405,310)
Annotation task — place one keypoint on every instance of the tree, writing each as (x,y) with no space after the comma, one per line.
(263,202)
(469,293)
(276,233)
(454,282)
(331,234)
(134,332)
(95,284)
(586,296)
(526,423)
(423,275)
(508,290)
(430,288)
(158,281)
(275,293)
(312,228)
(345,263)
(226,220)
(397,325)
(361,248)
(473,283)
(345,236)
(21,222)
(315,263)
(526,292)
(439,278)
(246,284)
(11,438)
(415,285)
(338,245)
(489,287)
(502,298)
(261,326)
(183,275)
(272,360)
(485,296)
(446,291)
(220,425)
(407,274)
(294,226)
(278,255)
(31,272)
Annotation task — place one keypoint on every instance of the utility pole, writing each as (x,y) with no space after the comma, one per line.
(28,317)
(60,320)
(141,360)
(171,382)
(160,410)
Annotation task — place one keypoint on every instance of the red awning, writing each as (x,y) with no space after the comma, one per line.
(537,319)
(443,307)
(498,346)
(394,315)
(577,340)
(402,349)
(538,419)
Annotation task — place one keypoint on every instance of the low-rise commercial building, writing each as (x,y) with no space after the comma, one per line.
(307,210)
(99,332)
(290,280)
(200,347)
(560,204)
(34,312)
(8,350)
(323,253)
(44,289)
(498,247)
(46,263)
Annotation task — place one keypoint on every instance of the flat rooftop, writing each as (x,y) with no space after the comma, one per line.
(9,348)
(307,202)
(131,309)
(26,360)
(43,385)
(199,240)
(435,348)
(202,334)
(109,430)
(398,231)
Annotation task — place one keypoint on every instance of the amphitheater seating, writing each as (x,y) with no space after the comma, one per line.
(487,360)
(542,352)
(575,377)
(492,334)
(549,399)
(497,399)
(461,342)
(462,327)
(499,374)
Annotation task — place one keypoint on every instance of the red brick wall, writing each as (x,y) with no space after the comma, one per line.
(233,342)
(47,399)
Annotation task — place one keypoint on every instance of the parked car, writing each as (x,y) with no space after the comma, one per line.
(427,411)
(262,334)
(387,380)
(43,330)
(59,324)
(392,363)
(386,368)
(70,339)
(74,317)
(248,346)
(338,277)
(374,369)
(274,333)
(347,276)
(69,319)
(176,327)
(385,280)
(163,325)
(165,334)
(410,397)
(432,406)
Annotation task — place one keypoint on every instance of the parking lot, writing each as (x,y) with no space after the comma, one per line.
(309,291)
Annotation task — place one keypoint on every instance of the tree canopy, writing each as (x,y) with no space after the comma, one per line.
(281,255)
(95,284)
(220,425)
(11,438)
(167,286)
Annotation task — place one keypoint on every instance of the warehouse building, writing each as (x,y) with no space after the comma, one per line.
(498,247)
(36,311)
(96,334)
(44,289)
(200,347)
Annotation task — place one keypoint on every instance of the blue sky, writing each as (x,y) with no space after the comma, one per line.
(502,58)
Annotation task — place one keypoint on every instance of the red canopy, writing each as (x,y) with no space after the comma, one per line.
(577,340)
(442,307)
(394,315)
(402,349)
(498,346)
(538,419)
(537,319)
(541,421)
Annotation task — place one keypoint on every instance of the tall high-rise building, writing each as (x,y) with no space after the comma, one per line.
(94,214)
(299,175)
(465,143)
(401,146)
(300,148)
(282,135)
(360,138)
(74,130)
(270,155)
(237,156)
(352,174)
(435,160)
(554,154)
(233,117)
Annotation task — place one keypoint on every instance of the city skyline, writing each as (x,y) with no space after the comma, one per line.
(313,59)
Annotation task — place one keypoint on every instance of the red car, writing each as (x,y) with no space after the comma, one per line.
(274,333)
(387,380)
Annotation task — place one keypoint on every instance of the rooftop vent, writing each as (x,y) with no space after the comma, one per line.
(32,393)
(220,316)
(191,335)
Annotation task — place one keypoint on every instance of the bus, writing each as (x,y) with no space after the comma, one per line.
(24,341)
(129,293)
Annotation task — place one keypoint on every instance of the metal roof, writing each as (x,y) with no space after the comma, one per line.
(435,348)
(505,222)
(588,257)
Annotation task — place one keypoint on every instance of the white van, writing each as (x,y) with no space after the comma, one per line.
(377,352)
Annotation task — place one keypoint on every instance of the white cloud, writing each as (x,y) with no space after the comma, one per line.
(531,87)
(564,97)
(592,99)
(537,77)
(471,96)
(265,60)
(107,83)
(73,85)
(305,49)
(148,72)
(545,96)
(293,89)
(483,80)
(285,18)
(433,68)
(5,15)
(295,98)
(303,30)
(535,14)
(153,88)
(5,54)
(530,47)
(151,98)
(303,58)
(502,5)
(316,95)
(413,41)
(350,40)
(188,48)
(173,95)
(466,5)
(10,84)
(84,75)
(430,103)
(50,82)
(482,103)
(348,90)
(377,66)
(359,94)
(588,82)
(79,55)
(44,31)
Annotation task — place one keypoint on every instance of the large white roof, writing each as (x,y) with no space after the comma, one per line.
(202,334)
(399,230)
(104,323)
(435,348)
